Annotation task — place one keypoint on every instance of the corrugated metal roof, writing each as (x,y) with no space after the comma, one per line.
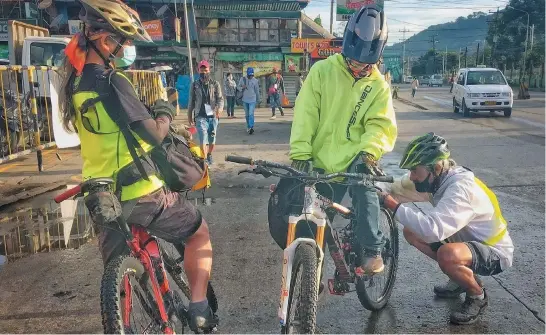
(253,6)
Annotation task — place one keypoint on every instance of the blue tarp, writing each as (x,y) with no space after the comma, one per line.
(183,88)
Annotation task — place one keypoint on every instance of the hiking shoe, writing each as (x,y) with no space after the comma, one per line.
(470,310)
(451,289)
(273,117)
(251,131)
(202,321)
(371,264)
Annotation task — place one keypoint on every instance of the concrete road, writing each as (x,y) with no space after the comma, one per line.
(58,291)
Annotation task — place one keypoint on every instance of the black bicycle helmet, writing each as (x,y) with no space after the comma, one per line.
(425,150)
(365,35)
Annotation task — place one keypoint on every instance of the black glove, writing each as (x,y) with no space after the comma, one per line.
(162,107)
(303,166)
(370,165)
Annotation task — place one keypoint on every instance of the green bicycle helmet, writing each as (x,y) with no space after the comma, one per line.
(425,150)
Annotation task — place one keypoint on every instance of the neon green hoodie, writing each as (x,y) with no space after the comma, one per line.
(336,118)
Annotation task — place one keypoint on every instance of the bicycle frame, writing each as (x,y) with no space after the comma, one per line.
(145,248)
(312,211)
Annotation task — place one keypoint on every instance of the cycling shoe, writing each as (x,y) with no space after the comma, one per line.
(204,322)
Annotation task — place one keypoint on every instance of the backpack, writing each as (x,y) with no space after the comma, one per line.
(177,165)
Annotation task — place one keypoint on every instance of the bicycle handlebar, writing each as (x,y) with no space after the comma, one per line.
(303,175)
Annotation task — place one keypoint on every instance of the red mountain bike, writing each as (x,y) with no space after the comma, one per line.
(143,278)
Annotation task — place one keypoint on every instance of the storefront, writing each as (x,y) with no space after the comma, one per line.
(237,63)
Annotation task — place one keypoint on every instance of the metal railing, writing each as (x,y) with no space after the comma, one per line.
(25,111)
(26,123)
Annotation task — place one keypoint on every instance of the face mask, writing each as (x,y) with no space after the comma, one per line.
(250,77)
(424,186)
(204,76)
(128,58)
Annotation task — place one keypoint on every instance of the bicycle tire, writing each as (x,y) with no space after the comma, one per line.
(110,294)
(365,300)
(305,263)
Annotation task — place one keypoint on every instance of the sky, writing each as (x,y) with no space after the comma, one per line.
(416,14)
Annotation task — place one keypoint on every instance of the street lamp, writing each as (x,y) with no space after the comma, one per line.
(526,35)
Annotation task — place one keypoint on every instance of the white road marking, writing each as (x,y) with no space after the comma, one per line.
(516,119)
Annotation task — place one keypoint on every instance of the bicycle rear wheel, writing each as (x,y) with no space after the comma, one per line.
(374,291)
(302,304)
(127,301)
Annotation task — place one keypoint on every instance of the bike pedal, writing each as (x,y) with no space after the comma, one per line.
(332,289)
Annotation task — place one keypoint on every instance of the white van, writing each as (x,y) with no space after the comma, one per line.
(482,89)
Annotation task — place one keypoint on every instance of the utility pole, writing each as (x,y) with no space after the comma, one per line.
(433,41)
(465,52)
(332,16)
(444,62)
(460,51)
(403,49)
(477,54)
(190,59)
(495,32)
(483,58)
(532,38)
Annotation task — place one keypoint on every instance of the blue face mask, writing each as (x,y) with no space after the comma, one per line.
(128,58)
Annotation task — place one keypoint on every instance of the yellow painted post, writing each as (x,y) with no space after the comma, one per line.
(34,110)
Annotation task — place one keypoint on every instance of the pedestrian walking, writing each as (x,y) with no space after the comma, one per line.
(275,89)
(299,83)
(452,81)
(230,87)
(251,97)
(206,103)
(414,86)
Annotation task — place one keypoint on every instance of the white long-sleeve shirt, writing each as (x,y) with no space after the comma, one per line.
(461,212)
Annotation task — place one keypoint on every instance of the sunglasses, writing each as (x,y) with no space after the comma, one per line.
(358,67)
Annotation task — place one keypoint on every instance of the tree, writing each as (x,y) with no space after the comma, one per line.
(318,20)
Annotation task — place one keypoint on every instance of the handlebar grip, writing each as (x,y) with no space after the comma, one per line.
(384,179)
(239,159)
(68,194)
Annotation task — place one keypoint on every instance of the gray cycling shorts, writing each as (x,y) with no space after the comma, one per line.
(165,214)
(485,260)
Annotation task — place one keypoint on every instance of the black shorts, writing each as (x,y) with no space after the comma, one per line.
(165,214)
(485,260)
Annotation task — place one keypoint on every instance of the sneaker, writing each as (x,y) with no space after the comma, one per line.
(209,159)
(205,321)
(251,131)
(451,289)
(371,264)
(273,117)
(282,113)
(470,310)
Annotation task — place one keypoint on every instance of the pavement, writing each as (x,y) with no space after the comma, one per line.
(58,292)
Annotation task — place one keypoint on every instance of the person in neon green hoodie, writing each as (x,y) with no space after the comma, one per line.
(344,121)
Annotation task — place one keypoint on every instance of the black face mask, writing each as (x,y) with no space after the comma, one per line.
(250,77)
(204,76)
(425,185)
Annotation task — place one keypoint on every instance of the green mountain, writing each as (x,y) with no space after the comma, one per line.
(463,32)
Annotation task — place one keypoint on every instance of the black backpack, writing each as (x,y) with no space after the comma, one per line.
(173,160)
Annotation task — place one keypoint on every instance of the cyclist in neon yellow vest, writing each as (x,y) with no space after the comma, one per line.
(464,231)
(106,43)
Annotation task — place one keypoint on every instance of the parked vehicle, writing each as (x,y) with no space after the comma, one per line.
(408,79)
(436,80)
(482,88)
(424,80)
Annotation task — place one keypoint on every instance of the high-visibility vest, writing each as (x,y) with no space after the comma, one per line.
(498,219)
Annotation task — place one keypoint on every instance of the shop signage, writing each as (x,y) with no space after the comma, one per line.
(299,45)
(74,26)
(292,63)
(248,56)
(154,29)
(262,68)
(346,8)
(325,52)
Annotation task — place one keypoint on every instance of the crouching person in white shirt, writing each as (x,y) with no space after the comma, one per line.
(464,231)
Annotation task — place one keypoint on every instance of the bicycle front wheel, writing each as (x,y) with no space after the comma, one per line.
(128,305)
(374,291)
(302,304)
